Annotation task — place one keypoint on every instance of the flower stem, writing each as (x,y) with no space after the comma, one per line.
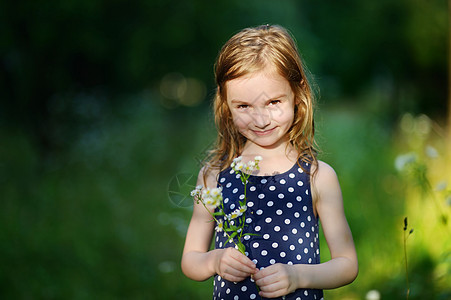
(405,258)
(244,178)
(407,271)
(228,235)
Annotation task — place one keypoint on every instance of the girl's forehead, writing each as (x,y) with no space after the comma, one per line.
(260,85)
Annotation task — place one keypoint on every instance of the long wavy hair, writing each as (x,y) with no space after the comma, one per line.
(249,51)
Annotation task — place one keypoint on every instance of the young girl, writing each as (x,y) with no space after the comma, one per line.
(264,107)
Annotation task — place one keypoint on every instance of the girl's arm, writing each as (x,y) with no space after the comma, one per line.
(200,264)
(341,269)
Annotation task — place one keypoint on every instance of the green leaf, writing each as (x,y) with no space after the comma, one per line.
(231,228)
(241,247)
(252,234)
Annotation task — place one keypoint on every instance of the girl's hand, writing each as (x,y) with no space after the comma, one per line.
(234,266)
(276,280)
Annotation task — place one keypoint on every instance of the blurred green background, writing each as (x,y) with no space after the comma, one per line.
(105,114)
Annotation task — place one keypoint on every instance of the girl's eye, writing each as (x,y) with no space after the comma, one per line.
(242,106)
(274,102)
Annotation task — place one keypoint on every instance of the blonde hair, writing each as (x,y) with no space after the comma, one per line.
(248,51)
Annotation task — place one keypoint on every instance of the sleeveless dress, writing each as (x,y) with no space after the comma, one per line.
(280,214)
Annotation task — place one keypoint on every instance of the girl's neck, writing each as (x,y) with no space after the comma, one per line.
(275,160)
(280,149)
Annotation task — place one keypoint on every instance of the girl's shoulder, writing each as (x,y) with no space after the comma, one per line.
(322,175)
(208,176)
(324,180)
(322,169)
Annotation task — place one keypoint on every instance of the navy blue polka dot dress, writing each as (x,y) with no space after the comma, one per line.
(280,213)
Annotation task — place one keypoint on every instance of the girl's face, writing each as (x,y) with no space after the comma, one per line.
(262,107)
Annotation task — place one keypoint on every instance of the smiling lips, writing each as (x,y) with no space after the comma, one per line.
(263,132)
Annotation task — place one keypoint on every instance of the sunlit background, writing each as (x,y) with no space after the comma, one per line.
(105,113)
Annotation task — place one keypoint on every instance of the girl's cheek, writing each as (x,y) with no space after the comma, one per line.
(241,120)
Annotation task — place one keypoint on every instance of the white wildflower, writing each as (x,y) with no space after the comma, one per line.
(216,192)
(212,197)
(239,166)
(402,161)
(220,226)
(373,295)
(237,159)
(242,209)
(250,166)
(235,214)
(196,191)
(431,152)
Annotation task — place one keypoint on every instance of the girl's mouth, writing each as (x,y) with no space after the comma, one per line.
(263,132)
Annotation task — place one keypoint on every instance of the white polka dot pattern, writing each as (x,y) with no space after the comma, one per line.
(283,226)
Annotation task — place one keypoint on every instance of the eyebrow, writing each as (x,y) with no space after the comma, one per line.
(237,101)
(269,99)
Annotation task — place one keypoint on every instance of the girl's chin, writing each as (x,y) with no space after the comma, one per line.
(266,142)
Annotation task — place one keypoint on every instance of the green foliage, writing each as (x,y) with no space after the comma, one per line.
(97,222)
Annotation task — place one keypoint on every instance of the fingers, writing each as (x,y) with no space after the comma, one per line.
(234,266)
(274,281)
(264,273)
(273,290)
(234,275)
(244,261)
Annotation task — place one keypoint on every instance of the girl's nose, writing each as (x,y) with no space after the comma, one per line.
(262,118)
